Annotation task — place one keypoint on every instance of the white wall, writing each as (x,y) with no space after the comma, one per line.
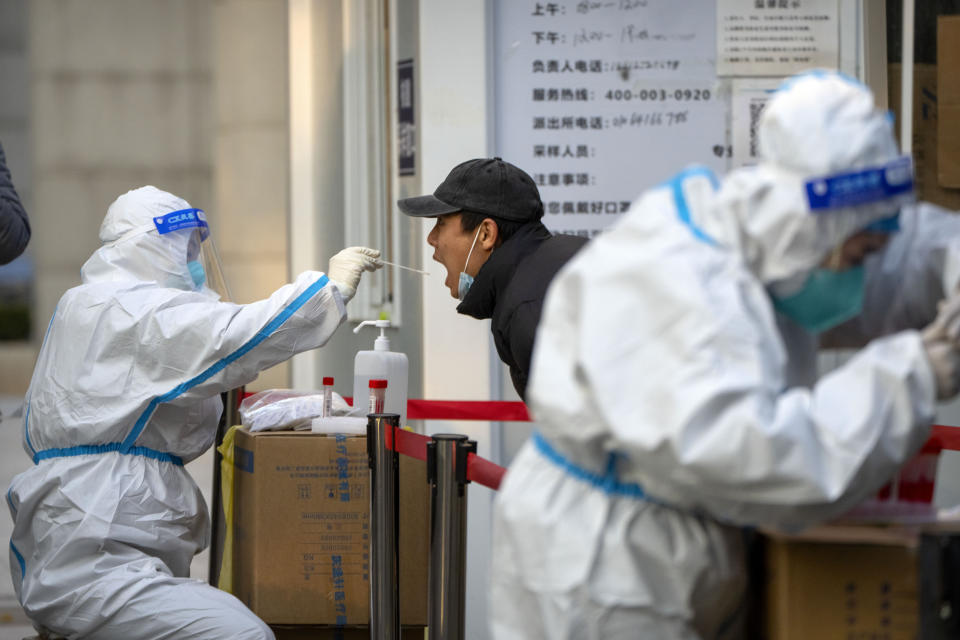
(453,97)
(452,72)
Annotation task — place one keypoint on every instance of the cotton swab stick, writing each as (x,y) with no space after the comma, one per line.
(400,266)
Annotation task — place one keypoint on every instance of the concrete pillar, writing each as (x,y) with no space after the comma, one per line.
(121,97)
(251,176)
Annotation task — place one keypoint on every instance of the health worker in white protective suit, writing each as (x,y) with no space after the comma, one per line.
(673,377)
(125,391)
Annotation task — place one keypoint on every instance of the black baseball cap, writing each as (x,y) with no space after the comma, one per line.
(488,186)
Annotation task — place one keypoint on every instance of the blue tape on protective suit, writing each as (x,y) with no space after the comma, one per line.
(864,186)
(221,364)
(26,427)
(675,184)
(95,449)
(607,483)
(183,219)
(23,565)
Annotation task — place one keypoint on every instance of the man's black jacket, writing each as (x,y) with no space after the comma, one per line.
(509,289)
(14,226)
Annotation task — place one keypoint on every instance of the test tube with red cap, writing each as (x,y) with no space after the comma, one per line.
(378,393)
(327,409)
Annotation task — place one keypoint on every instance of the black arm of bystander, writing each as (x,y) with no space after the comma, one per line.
(14,225)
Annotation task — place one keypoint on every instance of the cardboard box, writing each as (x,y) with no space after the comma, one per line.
(328,633)
(948,101)
(301,529)
(830,589)
(925,142)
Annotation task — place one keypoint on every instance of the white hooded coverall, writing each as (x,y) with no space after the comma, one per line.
(125,391)
(676,406)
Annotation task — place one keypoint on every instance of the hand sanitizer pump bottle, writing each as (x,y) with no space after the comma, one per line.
(381,364)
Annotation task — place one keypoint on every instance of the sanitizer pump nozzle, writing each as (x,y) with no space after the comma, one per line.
(382,343)
(381,364)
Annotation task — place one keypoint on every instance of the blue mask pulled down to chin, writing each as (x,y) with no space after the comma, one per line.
(464,285)
(466,280)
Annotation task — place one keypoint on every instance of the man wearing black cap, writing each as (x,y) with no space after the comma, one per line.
(499,257)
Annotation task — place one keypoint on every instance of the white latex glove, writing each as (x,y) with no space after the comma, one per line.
(347,266)
(942,352)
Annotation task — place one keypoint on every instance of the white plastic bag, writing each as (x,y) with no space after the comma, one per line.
(278,409)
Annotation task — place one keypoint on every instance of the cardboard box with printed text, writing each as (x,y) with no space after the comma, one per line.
(301,552)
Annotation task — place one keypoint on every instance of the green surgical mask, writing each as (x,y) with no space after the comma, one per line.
(828,298)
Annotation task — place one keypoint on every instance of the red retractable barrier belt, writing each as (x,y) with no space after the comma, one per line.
(488,410)
(942,438)
(484,472)
(411,444)
(482,410)
(479,470)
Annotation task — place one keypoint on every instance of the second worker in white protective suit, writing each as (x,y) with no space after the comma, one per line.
(674,377)
(126,389)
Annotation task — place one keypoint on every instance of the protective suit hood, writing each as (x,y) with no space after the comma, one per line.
(133,249)
(817,126)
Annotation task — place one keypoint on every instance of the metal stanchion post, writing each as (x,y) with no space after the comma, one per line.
(447,474)
(384,529)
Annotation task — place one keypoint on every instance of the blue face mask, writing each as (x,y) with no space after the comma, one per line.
(464,285)
(466,280)
(828,298)
(197,273)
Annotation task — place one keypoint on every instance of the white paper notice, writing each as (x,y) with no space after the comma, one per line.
(776,37)
(600,100)
(750,96)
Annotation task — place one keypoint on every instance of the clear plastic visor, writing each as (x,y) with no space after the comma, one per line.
(203,263)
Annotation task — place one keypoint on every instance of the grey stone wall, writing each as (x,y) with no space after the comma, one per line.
(122,96)
(103,96)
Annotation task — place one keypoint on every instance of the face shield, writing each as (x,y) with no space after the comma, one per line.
(875,193)
(868,202)
(201,262)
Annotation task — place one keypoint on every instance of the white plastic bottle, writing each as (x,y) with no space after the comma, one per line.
(382,364)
